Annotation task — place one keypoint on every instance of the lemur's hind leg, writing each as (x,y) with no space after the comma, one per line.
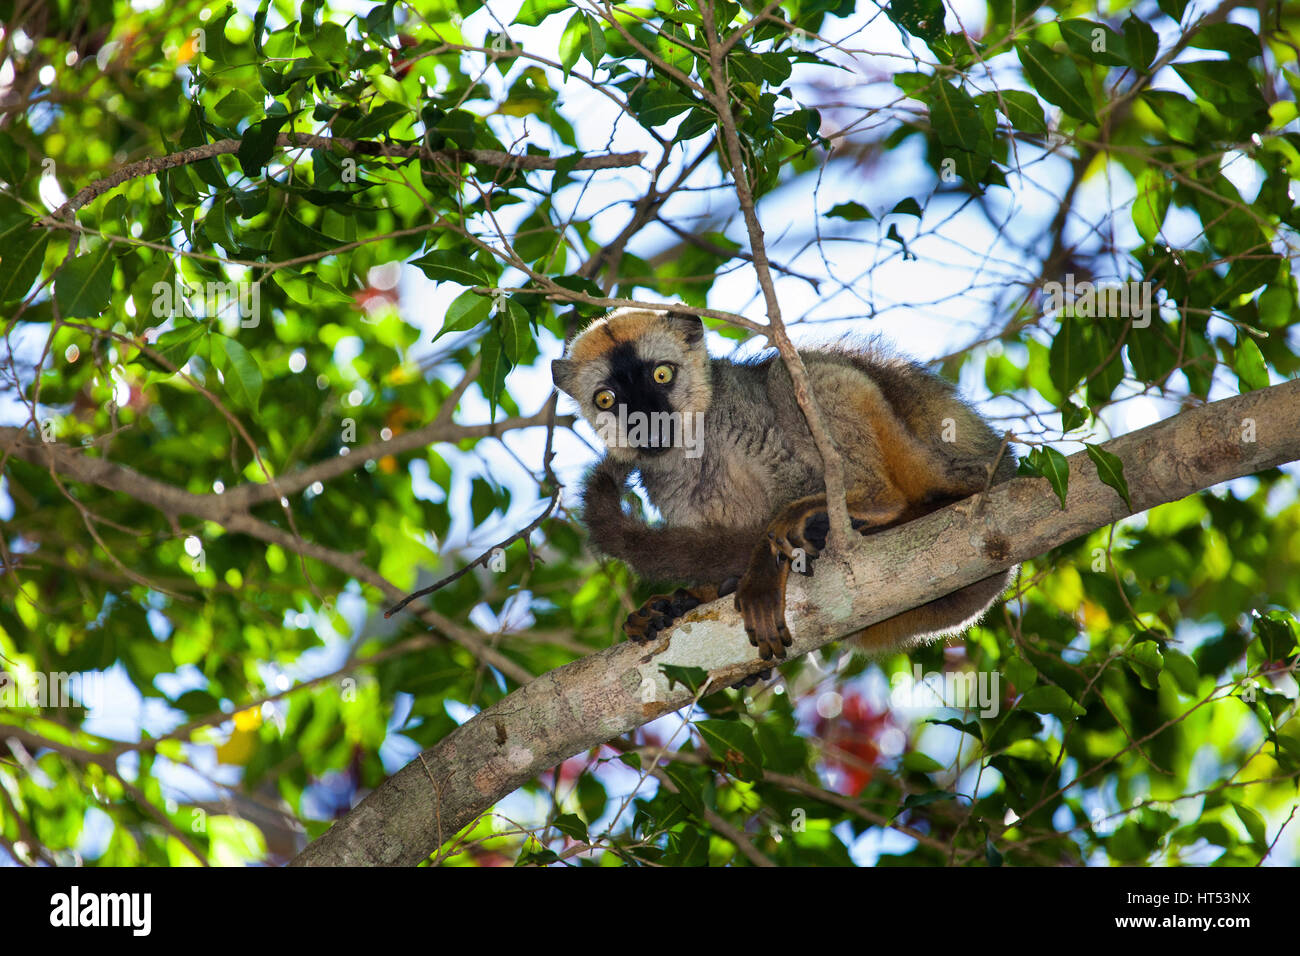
(662,611)
(795,537)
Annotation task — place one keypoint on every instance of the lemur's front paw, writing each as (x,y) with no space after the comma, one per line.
(760,599)
(609,476)
(662,611)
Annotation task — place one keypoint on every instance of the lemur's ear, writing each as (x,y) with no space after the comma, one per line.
(562,374)
(690,326)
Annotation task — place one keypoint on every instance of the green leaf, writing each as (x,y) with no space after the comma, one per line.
(1248,363)
(13,160)
(1239,42)
(571,825)
(1150,354)
(84,286)
(258,144)
(1246,275)
(583,37)
(1055,77)
(1052,465)
(593,49)
(971,727)
(512,323)
(692,678)
(216,46)
(1073,416)
(1151,203)
(906,207)
(22,253)
(852,211)
(1177,112)
(688,787)
(1111,471)
(1020,673)
(918,762)
(921,18)
(534,12)
(928,797)
(1276,305)
(1227,84)
(243,377)
(177,346)
(532,855)
(660,105)
(1140,42)
(953,116)
(1023,110)
(991,855)
(1052,700)
(1253,823)
(330,43)
(493,368)
(724,736)
(1068,359)
(800,126)
(1094,41)
(1146,661)
(1276,633)
(631,760)
(1182,669)
(446,266)
(1173,8)
(235,105)
(466,311)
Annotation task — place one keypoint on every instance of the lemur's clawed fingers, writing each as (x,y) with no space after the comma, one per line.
(760,598)
(662,611)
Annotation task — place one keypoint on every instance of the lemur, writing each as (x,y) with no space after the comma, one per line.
(747,501)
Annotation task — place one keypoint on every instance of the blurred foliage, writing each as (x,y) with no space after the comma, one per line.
(1147,672)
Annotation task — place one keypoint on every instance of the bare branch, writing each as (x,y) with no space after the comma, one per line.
(720,96)
(484,157)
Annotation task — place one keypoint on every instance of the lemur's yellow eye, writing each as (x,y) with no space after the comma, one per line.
(663,374)
(604,399)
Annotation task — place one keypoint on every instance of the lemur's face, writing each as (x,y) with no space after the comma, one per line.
(635,375)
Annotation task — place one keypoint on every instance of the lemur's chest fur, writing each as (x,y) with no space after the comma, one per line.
(752,459)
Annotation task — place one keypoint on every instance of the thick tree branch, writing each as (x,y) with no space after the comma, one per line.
(599,697)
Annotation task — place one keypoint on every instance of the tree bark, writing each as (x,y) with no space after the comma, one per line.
(599,697)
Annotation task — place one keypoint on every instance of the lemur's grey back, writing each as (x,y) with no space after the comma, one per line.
(758,453)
